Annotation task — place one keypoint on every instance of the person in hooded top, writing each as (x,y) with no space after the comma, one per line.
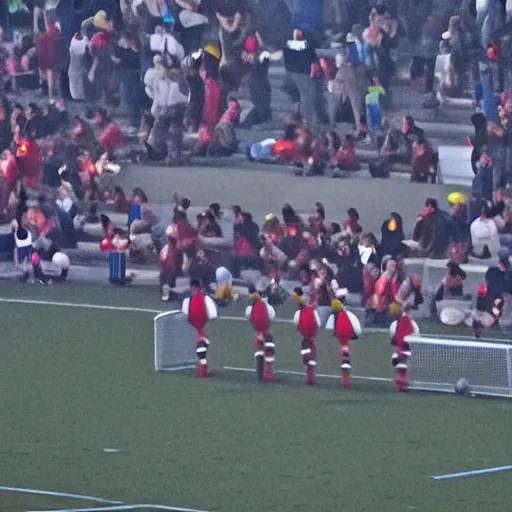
(392,236)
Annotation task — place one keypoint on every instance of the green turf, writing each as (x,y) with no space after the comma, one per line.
(76,381)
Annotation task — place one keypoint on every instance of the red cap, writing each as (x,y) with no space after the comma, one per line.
(251,44)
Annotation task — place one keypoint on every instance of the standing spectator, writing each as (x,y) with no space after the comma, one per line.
(52,55)
(164,43)
(101,72)
(235,23)
(345,87)
(192,23)
(432,31)
(299,60)
(128,53)
(258,63)
(78,67)
(212,98)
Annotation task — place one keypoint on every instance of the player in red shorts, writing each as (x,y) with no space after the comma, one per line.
(308,322)
(399,330)
(260,313)
(199,309)
(346,327)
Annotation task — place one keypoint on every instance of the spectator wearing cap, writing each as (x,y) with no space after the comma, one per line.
(100,49)
(257,64)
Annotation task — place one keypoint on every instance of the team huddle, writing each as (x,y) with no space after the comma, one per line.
(200,309)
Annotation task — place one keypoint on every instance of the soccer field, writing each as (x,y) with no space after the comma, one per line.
(83,412)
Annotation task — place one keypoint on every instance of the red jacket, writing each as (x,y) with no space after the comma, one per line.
(51,50)
(30,162)
(111,138)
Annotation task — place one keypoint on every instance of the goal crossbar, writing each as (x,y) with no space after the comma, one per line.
(436,364)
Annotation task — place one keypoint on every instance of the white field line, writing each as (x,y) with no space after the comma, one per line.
(58,494)
(475,472)
(230,318)
(125,507)
(301,374)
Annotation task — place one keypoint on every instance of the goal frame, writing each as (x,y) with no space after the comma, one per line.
(431,340)
(158,368)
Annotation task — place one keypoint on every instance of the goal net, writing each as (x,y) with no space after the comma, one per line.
(175,347)
(437,364)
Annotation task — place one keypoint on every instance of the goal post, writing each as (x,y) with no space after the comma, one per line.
(436,364)
(174,342)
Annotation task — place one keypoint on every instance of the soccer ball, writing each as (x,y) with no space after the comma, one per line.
(462,386)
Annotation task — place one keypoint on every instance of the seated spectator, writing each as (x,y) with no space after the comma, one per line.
(82,134)
(392,232)
(35,127)
(273,258)
(208,226)
(111,137)
(203,270)
(485,240)
(409,294)
(396,148)
(482,185)
(52,164)
(346,158)
(225,142)
(187,239)
(246,245)
(451,286)
(433,230)
(459,228)
(382,296)
(422,158)
(351,226)
(139,197)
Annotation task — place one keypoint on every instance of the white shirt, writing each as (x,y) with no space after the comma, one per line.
(157,44)
(485,232)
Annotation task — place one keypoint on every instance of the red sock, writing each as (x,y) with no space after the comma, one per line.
(268,374)
(310,375)
(202,371)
